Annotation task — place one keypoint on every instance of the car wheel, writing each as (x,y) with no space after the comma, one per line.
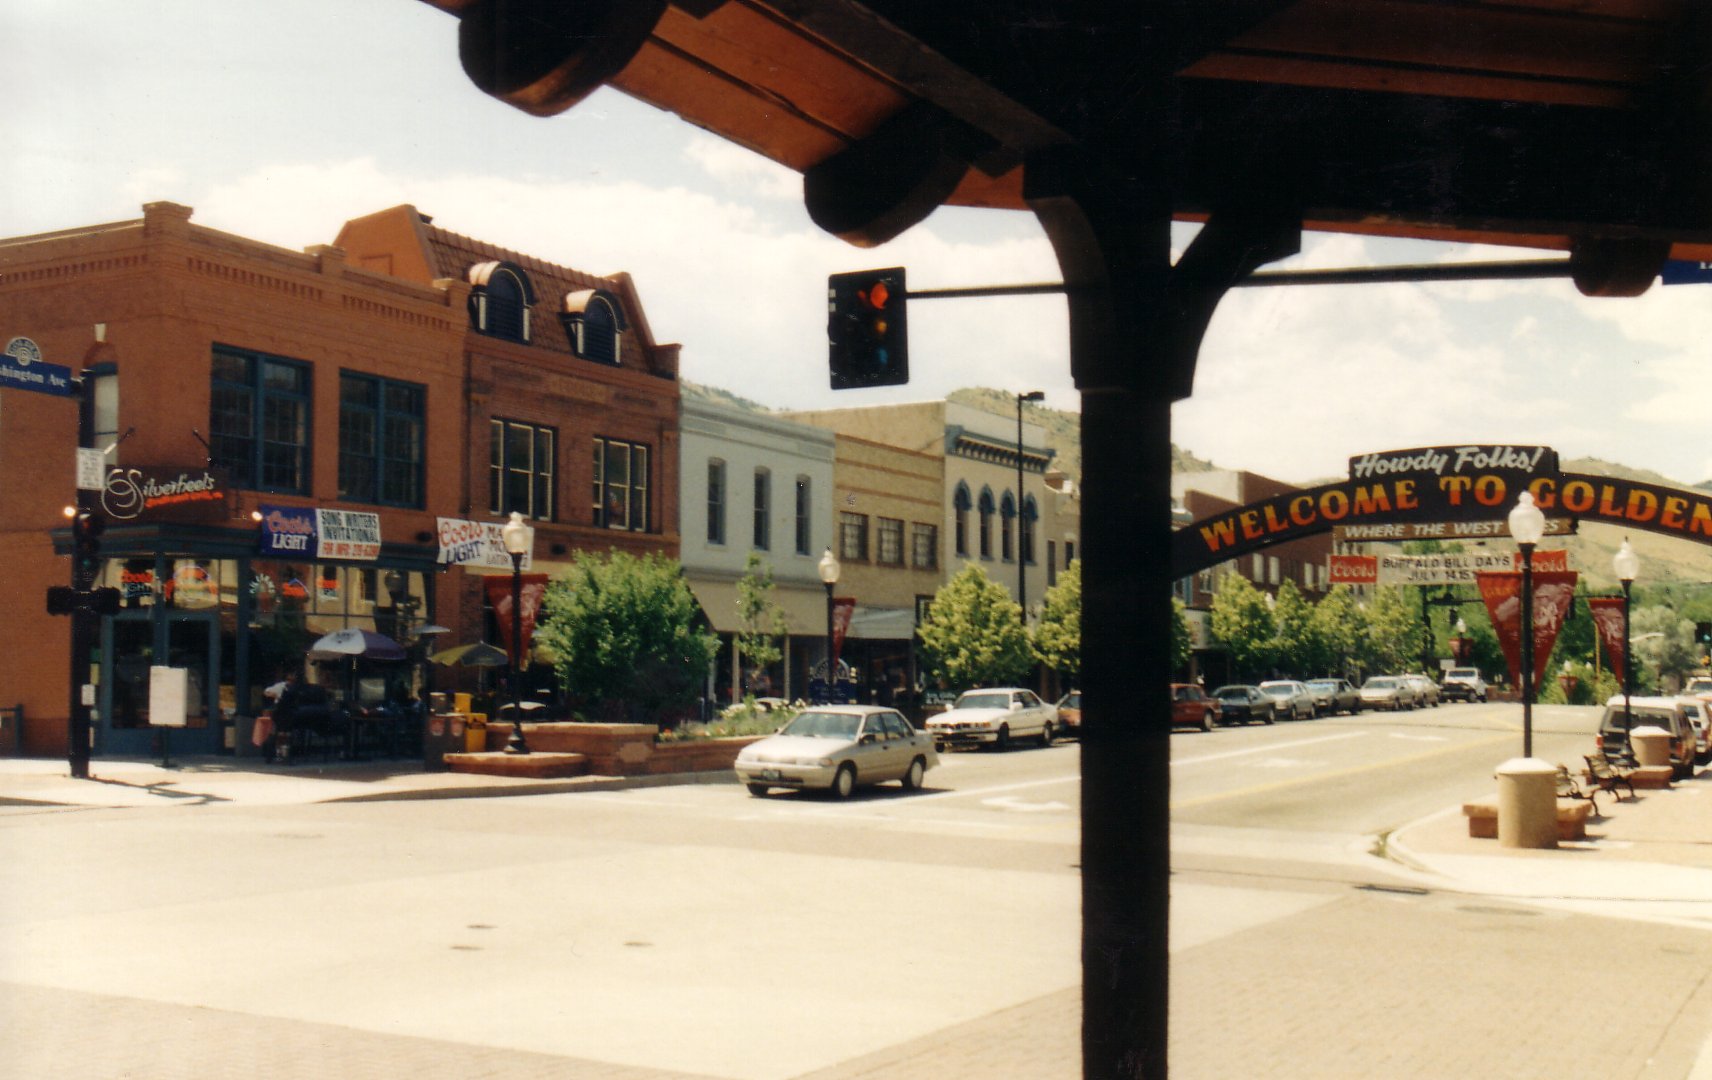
(1046,734)
(756,790)
(1004,741)
(1206,721)
(939,748)
(844,782)
(912,778)
(1269,716)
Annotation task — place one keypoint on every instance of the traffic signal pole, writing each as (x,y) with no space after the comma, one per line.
(83,620)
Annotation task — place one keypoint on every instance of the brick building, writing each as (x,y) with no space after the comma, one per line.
(293,439)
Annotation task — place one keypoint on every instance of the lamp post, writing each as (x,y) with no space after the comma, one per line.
(829,569)
(518,538)
(1022,560)
(1527,525)
(1627,564)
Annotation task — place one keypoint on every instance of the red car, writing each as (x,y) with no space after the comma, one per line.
(1191,707)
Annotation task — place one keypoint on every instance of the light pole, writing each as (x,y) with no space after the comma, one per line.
(829,577)
(1627,564)
(518,538)
(1022,555)
(1527,525)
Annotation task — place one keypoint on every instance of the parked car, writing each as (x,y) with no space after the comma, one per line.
(1671,714)
(1463,684)
(1070,713)
(993,716)
(1245,704)
(1699,708)
(837,748)
(1335,696)
(1426,690)
(1387,692)
(1297,702)
(1191,707)
(1698,684)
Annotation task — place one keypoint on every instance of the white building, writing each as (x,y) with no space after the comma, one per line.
(753,483)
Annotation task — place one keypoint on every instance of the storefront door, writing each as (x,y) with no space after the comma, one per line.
(131,644)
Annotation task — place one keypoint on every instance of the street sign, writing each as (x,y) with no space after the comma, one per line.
(1685,272)
(22,368)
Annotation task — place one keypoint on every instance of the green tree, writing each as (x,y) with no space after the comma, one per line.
(1295,643)
(1242,620)
(1340,625)
(1393,631)
(1182,641)
(626,636)
(1057,639)
(973,633)
(760,619)
(1664,646)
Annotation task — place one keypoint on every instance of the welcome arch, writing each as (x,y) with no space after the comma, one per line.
(1468,490)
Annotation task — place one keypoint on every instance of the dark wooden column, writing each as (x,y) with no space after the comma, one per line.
(1136,323)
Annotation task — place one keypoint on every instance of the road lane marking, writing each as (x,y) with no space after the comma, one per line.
(1011,802)
(1320,778)
(1268,749)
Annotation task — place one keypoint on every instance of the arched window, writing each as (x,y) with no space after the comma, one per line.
(987,508)
(1030,514)
(1007,527)
(594,322)
(499,302)
(960,505)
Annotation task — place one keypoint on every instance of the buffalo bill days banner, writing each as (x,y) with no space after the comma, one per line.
(1456,484)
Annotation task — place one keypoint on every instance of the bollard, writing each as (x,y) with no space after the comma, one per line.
(1650,745)
(1527,804)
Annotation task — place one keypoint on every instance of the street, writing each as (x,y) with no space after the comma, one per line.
(697,931)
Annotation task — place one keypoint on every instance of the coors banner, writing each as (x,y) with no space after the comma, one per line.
(1554,591)
(1608,617)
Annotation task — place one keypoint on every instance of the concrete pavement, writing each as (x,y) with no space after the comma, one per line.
(1648,858)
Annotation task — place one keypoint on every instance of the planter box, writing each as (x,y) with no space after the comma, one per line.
(623,749)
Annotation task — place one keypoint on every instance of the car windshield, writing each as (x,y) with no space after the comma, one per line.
(823,725)
(1463,673)
(1278,689)
(1071,701)
(984,701)
(1323,684)
(1231,693)
(1379,684)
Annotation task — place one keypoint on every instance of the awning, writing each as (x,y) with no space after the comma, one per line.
(805,609)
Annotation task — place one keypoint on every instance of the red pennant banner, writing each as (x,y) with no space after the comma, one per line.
(1608,618)
(843,607)
(1554,591)
(499,598)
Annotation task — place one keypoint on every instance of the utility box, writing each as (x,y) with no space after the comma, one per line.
(442,734)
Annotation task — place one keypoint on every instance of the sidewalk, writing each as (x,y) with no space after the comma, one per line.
(1645,856)
(130,782)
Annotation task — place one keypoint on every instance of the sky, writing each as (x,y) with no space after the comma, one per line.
(280,119)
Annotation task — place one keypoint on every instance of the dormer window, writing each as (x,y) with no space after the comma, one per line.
(594,322)
(499,302)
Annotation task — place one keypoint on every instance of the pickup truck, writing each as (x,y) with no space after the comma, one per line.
(1463,684)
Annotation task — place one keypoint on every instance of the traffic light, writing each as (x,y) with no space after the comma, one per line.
(866,329)
(86,530)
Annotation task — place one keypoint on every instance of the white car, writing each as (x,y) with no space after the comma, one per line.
(993,716)
(836,748)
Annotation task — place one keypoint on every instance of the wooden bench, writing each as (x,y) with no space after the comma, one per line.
(1572,817)
(1606,775)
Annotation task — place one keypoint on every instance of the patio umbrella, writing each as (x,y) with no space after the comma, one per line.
(475,654)
(355,643)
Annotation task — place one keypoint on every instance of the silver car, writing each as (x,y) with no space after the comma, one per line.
(1295,700)
(1388,692)
(836,748)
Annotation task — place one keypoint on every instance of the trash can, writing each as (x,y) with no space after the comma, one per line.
(475,734)
(1650,744)
(442,734)
(1527,804)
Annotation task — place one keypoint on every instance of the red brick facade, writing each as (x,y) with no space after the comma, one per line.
(390,304)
